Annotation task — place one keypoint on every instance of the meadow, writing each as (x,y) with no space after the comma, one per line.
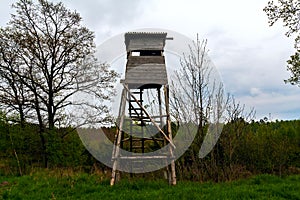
(252,160)
(52,185)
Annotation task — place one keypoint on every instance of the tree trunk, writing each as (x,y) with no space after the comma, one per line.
(22,116)
(41,132)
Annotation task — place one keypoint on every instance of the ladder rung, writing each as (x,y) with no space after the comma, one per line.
(143,139)
(126,139)
(137,139)
(132,100)
(136,92)
(149,138)
(136,117)
(134,112)
(148,120)
(146,117)
(137,147)
(134,108)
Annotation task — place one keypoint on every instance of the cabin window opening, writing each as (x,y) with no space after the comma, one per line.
(151,53)
(147,53)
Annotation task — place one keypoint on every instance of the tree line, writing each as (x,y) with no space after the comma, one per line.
(244,149)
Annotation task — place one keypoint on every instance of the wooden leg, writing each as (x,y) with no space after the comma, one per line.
(172,174)
(116,152)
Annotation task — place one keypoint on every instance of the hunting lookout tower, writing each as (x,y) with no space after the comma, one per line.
(143,138)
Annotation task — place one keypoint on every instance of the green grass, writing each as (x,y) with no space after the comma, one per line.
(83,186)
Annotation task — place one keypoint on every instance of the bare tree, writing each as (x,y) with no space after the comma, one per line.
(199,98)
(194,86)
(52,58)
(14,96)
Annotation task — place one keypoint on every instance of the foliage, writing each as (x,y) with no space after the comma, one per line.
(64,149)
(84,186)
(244,148)
(274,146)
(289,12)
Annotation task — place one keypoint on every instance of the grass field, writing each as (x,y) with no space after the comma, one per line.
(83,186)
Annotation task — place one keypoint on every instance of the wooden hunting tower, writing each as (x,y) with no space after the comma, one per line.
(145,86)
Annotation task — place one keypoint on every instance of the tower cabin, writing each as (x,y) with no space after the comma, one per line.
(145,66)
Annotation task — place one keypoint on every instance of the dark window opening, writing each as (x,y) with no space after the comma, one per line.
(147,53)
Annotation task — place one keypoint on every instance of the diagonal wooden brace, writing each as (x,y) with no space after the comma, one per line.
(148,115)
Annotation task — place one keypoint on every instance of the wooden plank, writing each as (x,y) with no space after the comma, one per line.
(149,77)
(143,157)
(140,83)
(145,66)
(146,73)
(146,43)
(146,69)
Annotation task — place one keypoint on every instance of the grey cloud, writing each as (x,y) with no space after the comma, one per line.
(94,12)
(112,12)
(254,72)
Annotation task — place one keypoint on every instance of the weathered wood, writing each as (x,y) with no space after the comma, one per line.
(145,69)
(143,157)
(148,115)
(119,136)
(143,41)
(173,173)
(147,74)
(145,60)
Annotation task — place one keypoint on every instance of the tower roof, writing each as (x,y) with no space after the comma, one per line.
(145,41)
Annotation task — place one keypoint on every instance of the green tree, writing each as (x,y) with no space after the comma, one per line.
(289,12)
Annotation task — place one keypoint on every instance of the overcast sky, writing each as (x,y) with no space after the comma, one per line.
(250,55)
